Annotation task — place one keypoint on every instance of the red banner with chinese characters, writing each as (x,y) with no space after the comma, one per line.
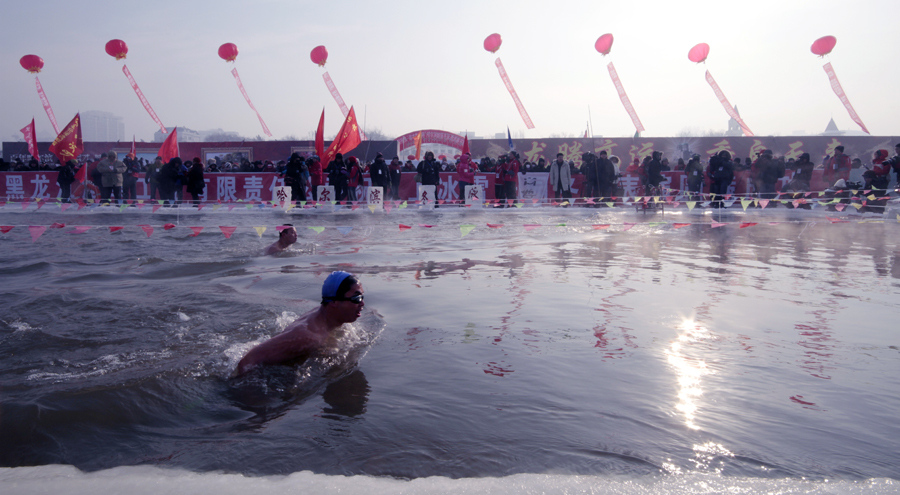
(512,92)
(140,95)
(839,91)
(624,97)
(728,108)
(69,145)
(335,94)
(339,100)
(237,78)
(247,189)
(46,103)
(431,136)
(30,138)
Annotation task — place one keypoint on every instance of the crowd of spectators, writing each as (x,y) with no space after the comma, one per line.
(716,172)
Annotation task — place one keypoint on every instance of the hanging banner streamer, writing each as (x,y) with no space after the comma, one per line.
(839,91)
(728,108)
(46,103)
(512,92)
(339,100)
(624,97)
(335,94)
(237,78)
(140,95)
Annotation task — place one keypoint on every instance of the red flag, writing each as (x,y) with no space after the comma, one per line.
(31,139)
(418,141)
(81,175)
(347,139)
(169,148)
(466,145)
(133,148)
(68,145)
(320,136)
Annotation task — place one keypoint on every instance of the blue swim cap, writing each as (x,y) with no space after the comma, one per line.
(330,287)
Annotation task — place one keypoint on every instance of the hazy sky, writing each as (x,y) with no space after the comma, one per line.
(409,65)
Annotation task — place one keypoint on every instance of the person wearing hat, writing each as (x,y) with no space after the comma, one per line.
(111,170)
(770,169)
(354,178)
(465,175)
(511,177)
(837,167)
(338,176)
(379,173)
(314,332)
(314,165)
(296,176)
(395,169)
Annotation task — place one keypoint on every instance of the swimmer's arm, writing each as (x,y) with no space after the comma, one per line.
(274,351)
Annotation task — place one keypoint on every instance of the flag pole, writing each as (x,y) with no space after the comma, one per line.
(368,141)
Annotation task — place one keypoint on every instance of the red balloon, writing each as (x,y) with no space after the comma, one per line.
(492,43)
(228,52)
(117,48)
(32,63)
(319,55)
(699,52)
(823,45)
(410,157)
(604,43)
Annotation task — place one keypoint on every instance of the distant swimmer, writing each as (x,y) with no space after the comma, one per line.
(286,237)
(309,335)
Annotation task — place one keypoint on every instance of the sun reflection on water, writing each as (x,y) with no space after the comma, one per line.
(688,370)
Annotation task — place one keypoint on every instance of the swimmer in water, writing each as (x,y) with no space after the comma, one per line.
(307,336)
(287,237)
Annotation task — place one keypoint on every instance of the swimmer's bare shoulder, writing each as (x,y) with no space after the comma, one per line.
(298,341)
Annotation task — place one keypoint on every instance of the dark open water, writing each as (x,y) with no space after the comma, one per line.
(605,359)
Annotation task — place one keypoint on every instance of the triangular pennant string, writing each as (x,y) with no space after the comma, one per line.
(36,231)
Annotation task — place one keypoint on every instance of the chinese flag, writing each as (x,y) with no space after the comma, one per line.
(31,139)
(418,141)
(169,148)
(466,144)
(68,145)
(133,147)
(347,139)
(320,136)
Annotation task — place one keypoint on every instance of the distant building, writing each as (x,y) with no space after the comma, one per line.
(734,129)
(187,135)
(102,127)
(832,130)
